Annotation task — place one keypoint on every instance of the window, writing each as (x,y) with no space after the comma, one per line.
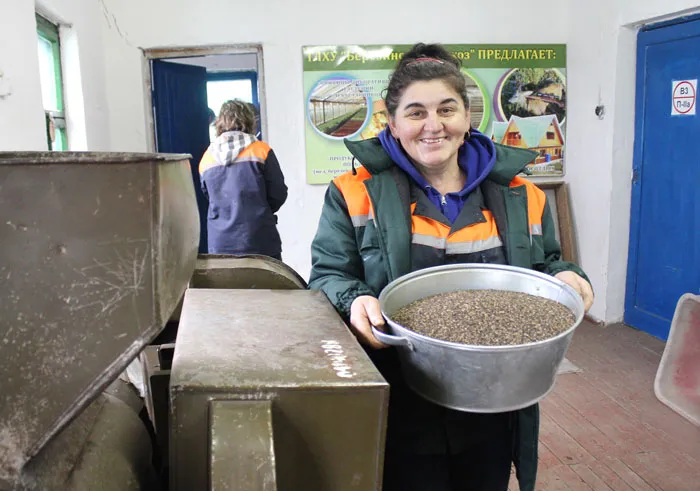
(225,86)
(550,135)
(51,83)
(222,87)
(220,91)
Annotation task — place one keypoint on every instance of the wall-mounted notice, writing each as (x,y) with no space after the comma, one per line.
(683,100)
(517,95)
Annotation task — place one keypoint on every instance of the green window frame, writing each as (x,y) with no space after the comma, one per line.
(49,51)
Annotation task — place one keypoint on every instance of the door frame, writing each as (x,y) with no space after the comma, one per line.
(186,51)
(647,35)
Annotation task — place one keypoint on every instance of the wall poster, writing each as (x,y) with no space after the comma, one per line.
(517,95)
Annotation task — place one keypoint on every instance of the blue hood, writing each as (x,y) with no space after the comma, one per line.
(476,157)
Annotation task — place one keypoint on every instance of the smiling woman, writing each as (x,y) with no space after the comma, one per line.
(431,191)
(431,123)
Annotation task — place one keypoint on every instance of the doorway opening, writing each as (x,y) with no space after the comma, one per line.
(185,90)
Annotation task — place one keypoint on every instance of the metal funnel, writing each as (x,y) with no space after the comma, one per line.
(96,249)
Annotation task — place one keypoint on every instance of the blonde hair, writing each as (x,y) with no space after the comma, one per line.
(235,115)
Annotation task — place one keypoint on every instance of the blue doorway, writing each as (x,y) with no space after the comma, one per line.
(187,86)
(664,250)
(181,121)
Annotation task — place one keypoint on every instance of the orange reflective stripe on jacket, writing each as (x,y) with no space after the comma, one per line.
(207,162)
(536,200)
(474,238)
(352,187)
(255,152)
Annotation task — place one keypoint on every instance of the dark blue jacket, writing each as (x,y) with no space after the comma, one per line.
(243,182)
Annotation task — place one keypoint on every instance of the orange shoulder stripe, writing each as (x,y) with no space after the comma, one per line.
(207,162)
(256,151)
(536,200)
(352,187)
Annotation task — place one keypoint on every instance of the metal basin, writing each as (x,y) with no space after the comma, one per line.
(480,379)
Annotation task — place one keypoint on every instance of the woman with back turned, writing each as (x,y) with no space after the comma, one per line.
(243,182)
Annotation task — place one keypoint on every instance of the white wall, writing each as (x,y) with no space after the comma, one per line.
(590,81)
(83,71)
(601,70)
(21,112)
(159,23)
(22,124)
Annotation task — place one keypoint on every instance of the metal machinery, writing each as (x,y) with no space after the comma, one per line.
(255,380)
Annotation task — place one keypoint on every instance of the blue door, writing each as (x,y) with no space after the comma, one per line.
(182,121)
(664,251)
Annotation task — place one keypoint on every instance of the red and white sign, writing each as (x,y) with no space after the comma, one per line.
(684,96)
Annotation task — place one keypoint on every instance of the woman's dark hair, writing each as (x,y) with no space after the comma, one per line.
(235,115)
(425,62)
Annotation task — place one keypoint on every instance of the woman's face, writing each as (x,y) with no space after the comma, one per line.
(430,122)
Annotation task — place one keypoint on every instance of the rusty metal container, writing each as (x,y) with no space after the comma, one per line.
(211,271)
(269,391)
(105,448)
(96,249)
(244,272)
(241,272)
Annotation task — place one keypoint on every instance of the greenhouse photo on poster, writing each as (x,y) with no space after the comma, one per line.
(517,97)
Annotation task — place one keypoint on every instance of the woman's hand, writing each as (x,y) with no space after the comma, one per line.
(365,313)
(580,285)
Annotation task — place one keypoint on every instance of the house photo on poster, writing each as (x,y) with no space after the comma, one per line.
(517,95)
